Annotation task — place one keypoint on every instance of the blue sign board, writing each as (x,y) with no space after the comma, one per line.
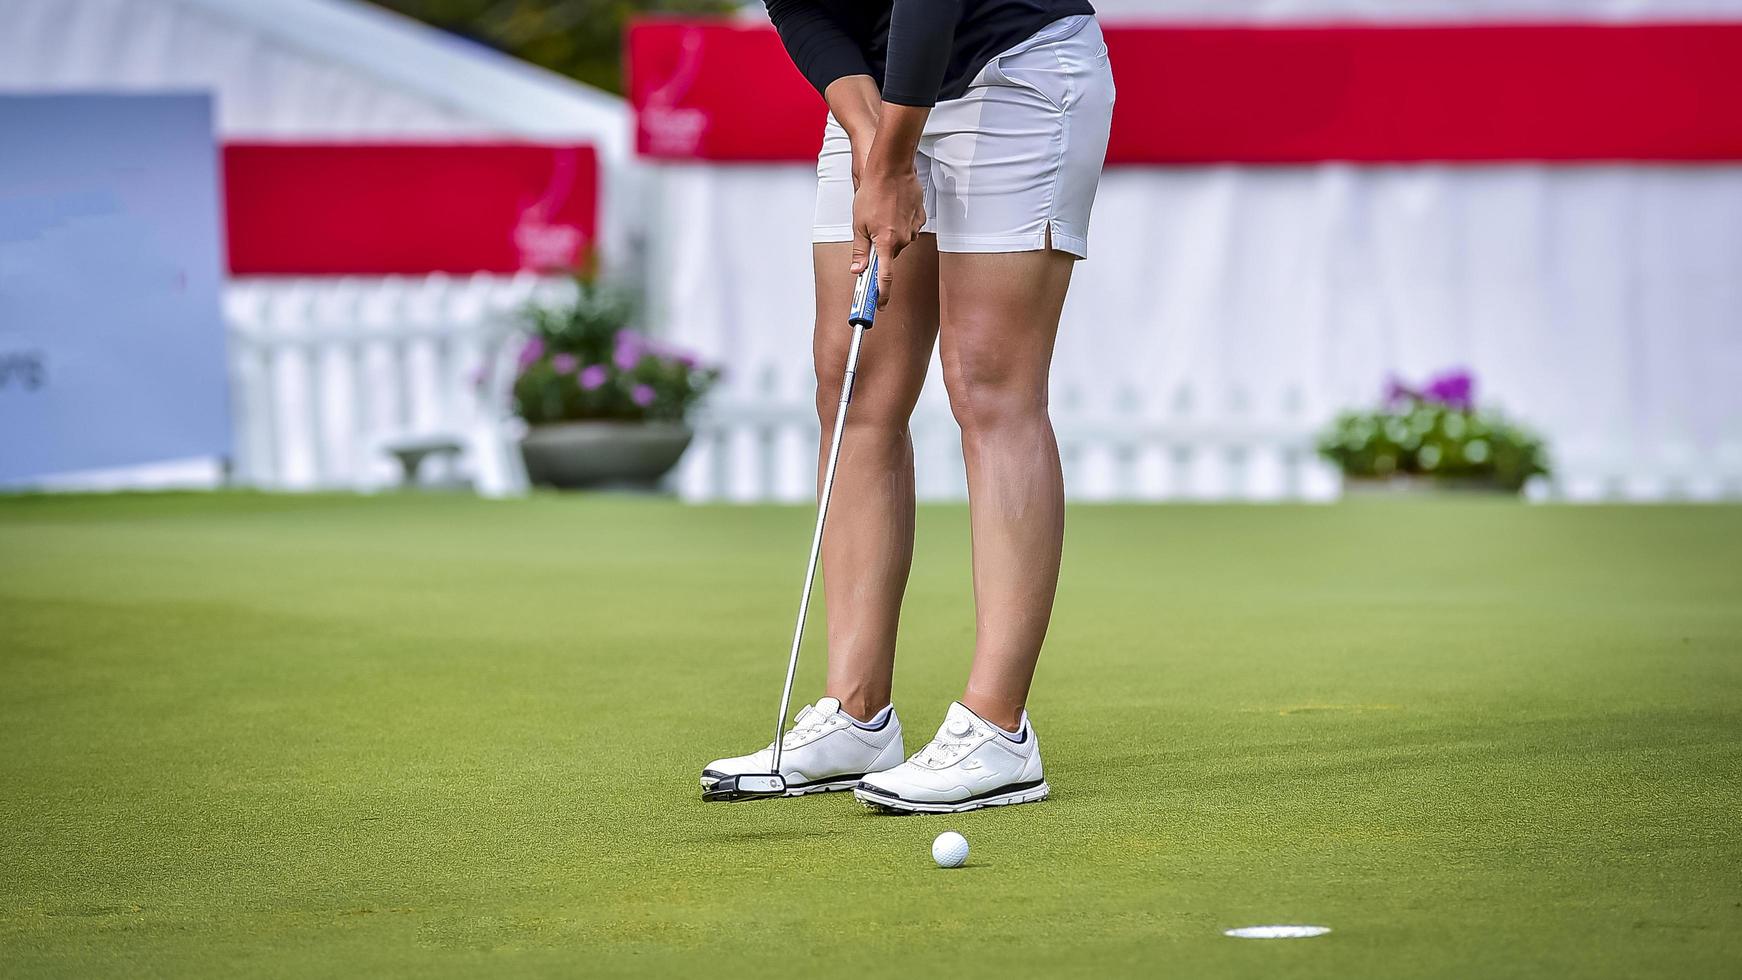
(111,334)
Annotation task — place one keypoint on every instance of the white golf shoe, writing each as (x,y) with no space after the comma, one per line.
(826,750)
(971,764)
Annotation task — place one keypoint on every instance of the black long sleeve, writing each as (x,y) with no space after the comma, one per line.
(922,34)
(919,52)
(819,47)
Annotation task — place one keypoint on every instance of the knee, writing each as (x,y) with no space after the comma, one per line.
(877,402)
(989,393)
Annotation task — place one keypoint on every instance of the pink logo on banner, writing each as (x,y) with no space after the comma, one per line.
(668,128)
(688,81)
(544,240)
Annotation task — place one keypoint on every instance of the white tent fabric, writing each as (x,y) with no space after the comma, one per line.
(300,68)
(1600,304)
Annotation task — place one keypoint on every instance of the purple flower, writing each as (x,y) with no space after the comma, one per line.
(677,355)
(1397,393)
(630,349)
(642,395)
(564,363)
(593,376)
(1454,389)
(530,353)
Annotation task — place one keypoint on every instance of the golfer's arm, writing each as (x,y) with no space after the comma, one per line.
(854,102)
(817,45)
(920,35)
(898,130)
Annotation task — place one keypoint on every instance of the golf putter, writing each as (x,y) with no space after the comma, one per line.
(756,785)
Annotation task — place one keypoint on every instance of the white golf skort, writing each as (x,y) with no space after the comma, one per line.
(1012,163)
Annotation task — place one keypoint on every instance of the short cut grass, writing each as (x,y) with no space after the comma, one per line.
(433,736)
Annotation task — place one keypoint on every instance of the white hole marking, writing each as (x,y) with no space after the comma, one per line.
(1277,932)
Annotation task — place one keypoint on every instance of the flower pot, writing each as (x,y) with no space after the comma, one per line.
(605,455)
(1415,485)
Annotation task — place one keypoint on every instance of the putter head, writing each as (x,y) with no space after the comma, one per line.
(746,786)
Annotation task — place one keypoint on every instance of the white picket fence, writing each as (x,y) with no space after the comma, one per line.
(331,375)
(759,443)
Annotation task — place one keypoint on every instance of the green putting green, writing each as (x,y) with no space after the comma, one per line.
(338,736)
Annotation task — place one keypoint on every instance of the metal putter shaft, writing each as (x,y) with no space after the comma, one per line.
(863,314)
(757,785)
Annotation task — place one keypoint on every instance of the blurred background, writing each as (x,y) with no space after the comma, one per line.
(1341,246)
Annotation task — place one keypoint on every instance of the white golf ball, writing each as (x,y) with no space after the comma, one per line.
(950,850)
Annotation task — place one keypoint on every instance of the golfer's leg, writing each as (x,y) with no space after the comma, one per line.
(1000,315)
(868,546)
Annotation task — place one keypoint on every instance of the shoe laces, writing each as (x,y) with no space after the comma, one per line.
(952,741)
(808,723)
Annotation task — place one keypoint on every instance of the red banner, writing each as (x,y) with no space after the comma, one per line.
(707,90)
(713,90)
(379,209)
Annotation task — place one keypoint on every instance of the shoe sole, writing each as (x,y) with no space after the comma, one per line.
(835,785)
(886,803)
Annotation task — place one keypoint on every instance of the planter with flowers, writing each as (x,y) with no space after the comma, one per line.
(605,406)
(1433,438)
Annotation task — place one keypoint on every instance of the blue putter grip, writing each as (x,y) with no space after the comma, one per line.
(864,312)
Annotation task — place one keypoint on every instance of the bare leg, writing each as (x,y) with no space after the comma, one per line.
(868,547)
(1000,316)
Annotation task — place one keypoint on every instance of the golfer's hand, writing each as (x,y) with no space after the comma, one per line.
(861,155)
(888,212)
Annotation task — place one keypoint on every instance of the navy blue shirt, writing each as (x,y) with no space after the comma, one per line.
(920,52)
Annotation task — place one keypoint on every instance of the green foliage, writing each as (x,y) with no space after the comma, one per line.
(579,38)
(584,362)
(1425,438)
